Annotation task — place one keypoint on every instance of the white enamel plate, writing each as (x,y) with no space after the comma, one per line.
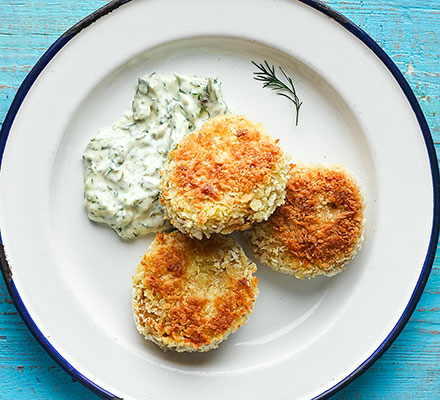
(71,278)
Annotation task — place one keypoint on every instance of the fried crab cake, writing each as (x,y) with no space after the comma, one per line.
(318,229)
(224,177)
(189,294)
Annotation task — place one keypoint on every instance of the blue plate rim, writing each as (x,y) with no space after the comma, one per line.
(398,76)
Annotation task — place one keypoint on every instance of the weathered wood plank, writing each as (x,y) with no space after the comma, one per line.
(410,33)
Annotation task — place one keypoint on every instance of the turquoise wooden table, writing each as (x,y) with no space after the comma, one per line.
(408,30)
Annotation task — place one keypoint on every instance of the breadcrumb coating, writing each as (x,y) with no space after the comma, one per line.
(318,229)
(224,177)
(189,294)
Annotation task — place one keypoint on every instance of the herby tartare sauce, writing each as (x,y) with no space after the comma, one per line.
(122,162)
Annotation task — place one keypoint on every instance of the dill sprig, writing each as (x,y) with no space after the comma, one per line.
(267,75)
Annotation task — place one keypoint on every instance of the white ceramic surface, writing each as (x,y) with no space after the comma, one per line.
(74,276)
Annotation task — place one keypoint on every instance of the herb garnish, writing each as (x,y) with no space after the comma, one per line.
(267,75)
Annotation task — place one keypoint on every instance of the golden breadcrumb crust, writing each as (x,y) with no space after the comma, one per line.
(189,294)
(223,177)
(318,229)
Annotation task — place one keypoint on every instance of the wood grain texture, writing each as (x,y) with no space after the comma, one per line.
(408,30)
